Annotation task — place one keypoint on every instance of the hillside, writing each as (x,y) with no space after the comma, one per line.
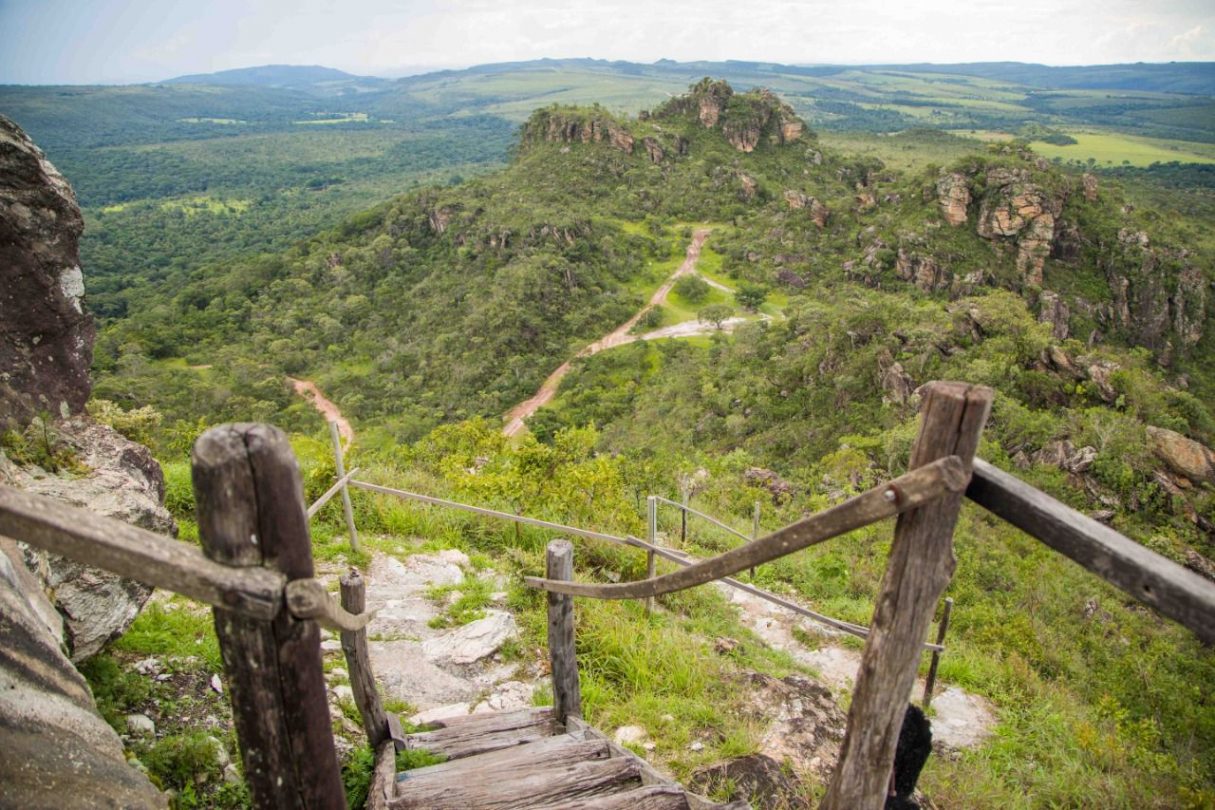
(429,316)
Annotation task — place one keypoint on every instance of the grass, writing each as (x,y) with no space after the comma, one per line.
(190,206)
(1117,149)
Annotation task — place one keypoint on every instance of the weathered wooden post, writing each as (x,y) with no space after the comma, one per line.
(685,496)
(339,463)
(251,513)
(567,695)
(754,532)
(920,566)
(651,536)
(942,629)
(358,661)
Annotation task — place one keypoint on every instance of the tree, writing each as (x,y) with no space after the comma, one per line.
(715,314)
(751,296)
(692,288)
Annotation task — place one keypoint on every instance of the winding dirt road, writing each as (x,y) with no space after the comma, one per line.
(617,337)
(308,390)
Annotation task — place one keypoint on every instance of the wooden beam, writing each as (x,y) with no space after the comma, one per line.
(914,489)
(138,554)
(383,778)
(1158,582)
(920,567)
(358,662)
(567,694)
(329,493)
(339,463)
(251,513)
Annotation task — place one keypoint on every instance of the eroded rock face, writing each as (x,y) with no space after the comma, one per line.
(953,195)
(46,337)
(57,751)
(1055,312)
(1015,209)
(124,482)
(921,270)
(575,127)
(760,116)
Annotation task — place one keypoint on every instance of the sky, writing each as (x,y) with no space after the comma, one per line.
(127,41)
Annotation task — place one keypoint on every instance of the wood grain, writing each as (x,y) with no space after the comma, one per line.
(567,694)
(358,663)
(1158,582)
(251,513)
(920,566)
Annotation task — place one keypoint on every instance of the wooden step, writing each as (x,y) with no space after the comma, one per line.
(653,797)
(524,789)
(563,749)
(476,734)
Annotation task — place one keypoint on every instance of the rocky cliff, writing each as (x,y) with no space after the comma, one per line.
(46,338)
(1157,295)
(57,751)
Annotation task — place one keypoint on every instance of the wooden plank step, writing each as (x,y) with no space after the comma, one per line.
(564,749)
(525,789)
(653,797)
(477,735)
(495,720)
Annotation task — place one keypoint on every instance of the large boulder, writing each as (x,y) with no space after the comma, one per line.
(953,195)
(46,337)
(1184,456)
(58,753)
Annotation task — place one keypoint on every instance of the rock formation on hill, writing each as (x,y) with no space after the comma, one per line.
(745,119)
(58,752)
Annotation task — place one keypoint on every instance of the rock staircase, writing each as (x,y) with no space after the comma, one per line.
(528,759)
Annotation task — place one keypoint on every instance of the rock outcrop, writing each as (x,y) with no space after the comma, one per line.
(58,752)
(1055,312)
(45,351)
(745,119)
(46,337)
(953,195)
(571,125)
(1015,210)
(123,482)
(1183,456)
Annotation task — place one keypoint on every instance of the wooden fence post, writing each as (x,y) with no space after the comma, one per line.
(358,660)
(339,463)
(920,566)
(567,695)
(651,536)
(754,532)
(942,629)
(250,504)
(684,496)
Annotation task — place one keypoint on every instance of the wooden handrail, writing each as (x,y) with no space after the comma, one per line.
(909,491)
(329,493)
(139,554)
(1151,578)
(703,516)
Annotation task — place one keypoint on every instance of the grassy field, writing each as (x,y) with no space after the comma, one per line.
(1117,149)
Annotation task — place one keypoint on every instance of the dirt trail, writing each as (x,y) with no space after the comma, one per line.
(308,390)
(617,337)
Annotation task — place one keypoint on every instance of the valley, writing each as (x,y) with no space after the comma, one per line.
(442,262)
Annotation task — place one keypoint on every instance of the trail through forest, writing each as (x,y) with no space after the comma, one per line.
(617,337)
(331,412)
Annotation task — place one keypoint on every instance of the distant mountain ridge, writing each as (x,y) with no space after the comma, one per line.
(308,78)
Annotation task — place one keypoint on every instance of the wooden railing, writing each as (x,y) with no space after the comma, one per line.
(255,570)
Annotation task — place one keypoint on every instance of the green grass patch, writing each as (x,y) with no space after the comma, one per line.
(1117,149)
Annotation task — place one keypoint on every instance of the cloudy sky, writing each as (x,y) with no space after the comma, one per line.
(114,41)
